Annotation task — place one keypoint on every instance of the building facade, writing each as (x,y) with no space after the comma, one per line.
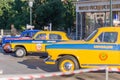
(92,14)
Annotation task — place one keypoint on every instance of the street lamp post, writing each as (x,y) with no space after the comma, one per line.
(31,5)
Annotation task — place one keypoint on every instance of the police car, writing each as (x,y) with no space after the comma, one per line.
(38,42)
(101,48)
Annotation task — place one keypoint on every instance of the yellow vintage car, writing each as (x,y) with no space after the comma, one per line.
(38,42)
(101,48)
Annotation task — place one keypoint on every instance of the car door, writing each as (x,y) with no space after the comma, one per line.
(106,49)
(39,42)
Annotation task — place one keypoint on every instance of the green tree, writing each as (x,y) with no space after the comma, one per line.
(19,14)
(13,12)
(4,12)
(50,11)
(69,14)
(60,14)
(4,5)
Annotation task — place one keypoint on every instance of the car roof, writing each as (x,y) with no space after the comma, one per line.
(30,30)
(53,31)
(110,28)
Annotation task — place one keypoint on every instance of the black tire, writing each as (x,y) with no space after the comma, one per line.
(20,52)
(66,62)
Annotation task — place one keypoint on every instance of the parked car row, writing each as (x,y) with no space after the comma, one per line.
(101,48)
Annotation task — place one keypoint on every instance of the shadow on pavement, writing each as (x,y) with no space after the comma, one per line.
(39,63)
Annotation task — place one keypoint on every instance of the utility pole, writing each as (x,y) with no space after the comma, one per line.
(111,18)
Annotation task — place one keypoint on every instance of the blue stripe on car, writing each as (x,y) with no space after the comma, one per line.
(85,46)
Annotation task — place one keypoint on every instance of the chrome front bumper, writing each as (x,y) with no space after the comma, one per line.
(48,60)
(8,48)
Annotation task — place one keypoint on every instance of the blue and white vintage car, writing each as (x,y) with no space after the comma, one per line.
(25,35)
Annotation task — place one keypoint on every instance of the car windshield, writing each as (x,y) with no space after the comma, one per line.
(91,35)
(28,33)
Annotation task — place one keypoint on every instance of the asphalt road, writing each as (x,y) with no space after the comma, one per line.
(32,64)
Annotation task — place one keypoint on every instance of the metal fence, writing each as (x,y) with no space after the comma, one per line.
(7,32)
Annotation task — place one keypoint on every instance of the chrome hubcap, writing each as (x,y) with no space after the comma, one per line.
(67,66)
(20,52)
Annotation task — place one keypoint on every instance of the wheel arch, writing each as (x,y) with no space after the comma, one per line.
(20,46)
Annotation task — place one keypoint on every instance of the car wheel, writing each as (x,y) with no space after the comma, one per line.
(20,52)
(67,63)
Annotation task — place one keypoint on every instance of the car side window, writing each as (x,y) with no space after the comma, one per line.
(110,37)
(54,37)
(41,37)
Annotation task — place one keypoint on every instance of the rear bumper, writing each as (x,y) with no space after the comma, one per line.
(48,60)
